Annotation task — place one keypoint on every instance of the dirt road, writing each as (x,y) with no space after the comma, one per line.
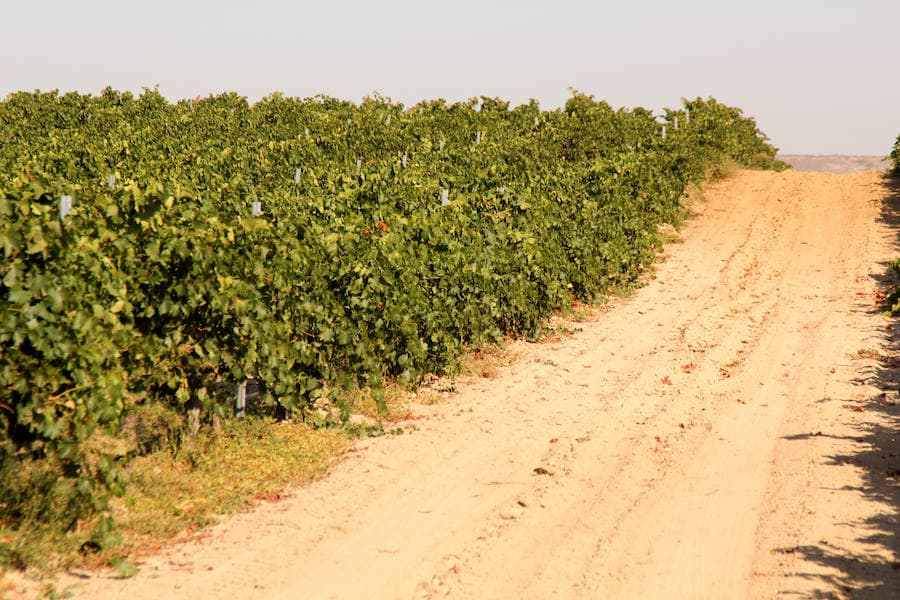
(730,431)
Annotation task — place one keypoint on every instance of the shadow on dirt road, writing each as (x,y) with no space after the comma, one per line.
(870,576)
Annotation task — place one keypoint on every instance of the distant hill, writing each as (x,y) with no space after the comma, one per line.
(834,163)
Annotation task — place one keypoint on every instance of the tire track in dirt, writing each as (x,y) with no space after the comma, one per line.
(649,455)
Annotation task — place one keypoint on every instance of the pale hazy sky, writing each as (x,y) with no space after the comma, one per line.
(819,76)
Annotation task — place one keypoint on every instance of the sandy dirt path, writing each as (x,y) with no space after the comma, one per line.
(727,432)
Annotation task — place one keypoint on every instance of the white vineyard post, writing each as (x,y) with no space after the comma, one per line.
(65,206)
(111,182)
(240,401)
(478,138)
(441,145)
(358,165)
(403,160)
(445,197)
(256,208)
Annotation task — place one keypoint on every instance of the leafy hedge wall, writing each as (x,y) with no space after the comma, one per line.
(389,240)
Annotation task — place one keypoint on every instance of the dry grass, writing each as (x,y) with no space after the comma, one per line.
(723,170)
(225,472)
(363,404)
(867,354)
(668,234)
(487,361)
(170,496)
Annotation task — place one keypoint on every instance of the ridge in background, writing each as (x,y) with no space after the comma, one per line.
(836,163)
